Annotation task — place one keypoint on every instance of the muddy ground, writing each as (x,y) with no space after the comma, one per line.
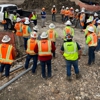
(33,87)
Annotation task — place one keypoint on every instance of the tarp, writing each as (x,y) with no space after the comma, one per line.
(89,7)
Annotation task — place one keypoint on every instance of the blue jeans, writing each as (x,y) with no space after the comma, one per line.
(43,68)
(91,55)
(66,18)
(25,42)
(35,59)
(53,17)
(98,46)
(68,67)
(7,69)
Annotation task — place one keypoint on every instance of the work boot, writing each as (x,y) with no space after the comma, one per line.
(69,78)
(78,76)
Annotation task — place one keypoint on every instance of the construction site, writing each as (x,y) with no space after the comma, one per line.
(24,85)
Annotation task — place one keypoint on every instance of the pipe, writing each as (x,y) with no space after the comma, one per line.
(15,78)
(16,68)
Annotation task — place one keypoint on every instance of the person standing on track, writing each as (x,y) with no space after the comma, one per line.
(7,56)
(31,43)
(44,49)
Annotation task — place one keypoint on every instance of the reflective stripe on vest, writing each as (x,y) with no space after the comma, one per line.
(44,47)
(25,30)
(62,11)
(8,59)
(93,41)
(6,14)
(17,27)
(30,46)
(70,51)
(34,17)
(51,35)
(14,17)
(68,30)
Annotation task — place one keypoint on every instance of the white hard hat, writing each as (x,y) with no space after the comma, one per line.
(54,6)
(26,18)
(82,11)
(77,10)
(98,21)
(63,6)
(71,7)
(89,20)
(18,19)
(35,28)
(33,34)
(91,29)
(51,26)
(68,23)
(44,35)
(67,8)
(95,14)
(6,39)
(26,22)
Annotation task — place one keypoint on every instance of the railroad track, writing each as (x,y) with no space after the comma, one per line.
(15,72)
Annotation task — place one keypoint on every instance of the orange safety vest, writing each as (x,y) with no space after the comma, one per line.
(25,30)
(51,35)
(93,42)
(17,27)
(44,47)
(68,30)
(62,11)
(81,17)
(71,13)
(6,54)
(53,11)
(30,46)
(66,12)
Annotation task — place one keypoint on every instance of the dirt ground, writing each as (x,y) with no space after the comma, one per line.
(33,87)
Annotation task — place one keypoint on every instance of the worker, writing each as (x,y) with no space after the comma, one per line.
(82,20)
(89,23)
(53,12)
(43,17)
(6,17)
(95,19)
(91,17)
(44,49)
(31,43)
(66,15)
(91,40)
(52,35)
(26,30)
(7,56)
(71,52)
(68,29)
(98,36)
(71,14)
(14,19)
(34,18)
(19,34)
(76,18)
(62,12)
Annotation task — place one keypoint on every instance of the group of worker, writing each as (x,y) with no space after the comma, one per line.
(44,48)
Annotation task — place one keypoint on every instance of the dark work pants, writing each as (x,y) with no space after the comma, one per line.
(43,68)
(91,55)
(35,59)
(25,42)
(7,69)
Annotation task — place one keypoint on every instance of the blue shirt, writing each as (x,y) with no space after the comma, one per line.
(43,14)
